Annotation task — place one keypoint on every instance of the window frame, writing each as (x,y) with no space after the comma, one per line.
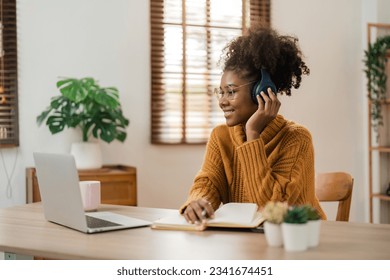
(9,123)
(159,95)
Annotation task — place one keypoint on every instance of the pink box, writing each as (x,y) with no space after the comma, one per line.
(90,194)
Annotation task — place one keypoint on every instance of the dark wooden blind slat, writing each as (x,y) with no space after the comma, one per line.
(187,38)
(9,125)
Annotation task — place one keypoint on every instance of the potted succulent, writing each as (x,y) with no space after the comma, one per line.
(274,212)
(313,226)
(95,110)
(294,229)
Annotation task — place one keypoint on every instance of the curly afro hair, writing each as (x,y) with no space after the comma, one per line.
(264,48)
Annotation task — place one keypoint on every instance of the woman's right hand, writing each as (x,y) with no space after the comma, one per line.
(265,113)
(198,211)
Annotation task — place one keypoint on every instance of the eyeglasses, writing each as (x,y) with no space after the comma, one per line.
(230,91)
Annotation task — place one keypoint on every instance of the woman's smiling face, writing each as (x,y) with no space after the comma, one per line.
(239,109)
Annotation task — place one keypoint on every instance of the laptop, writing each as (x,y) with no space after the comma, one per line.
(58,181)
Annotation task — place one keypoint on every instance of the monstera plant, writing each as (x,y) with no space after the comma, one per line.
(83,104)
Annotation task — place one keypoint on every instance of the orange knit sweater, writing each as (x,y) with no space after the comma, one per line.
(279,166)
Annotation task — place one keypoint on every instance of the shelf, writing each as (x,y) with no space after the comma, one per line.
(378,169)
(384,102)
(381,196)
(118,184)
(382,149)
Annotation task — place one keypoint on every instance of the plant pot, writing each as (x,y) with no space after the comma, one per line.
(313,233)
(295,236)
(273,234)
(88,155)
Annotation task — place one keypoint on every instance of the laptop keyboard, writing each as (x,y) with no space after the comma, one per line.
(93,222)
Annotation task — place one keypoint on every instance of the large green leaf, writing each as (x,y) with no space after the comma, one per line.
(57,102)
(108,97)
(43,116)
(76,90)
(107,128)
(56,123)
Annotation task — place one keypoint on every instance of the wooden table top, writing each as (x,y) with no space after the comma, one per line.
(24,230)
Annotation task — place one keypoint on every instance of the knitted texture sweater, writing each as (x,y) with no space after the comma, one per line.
(278,166)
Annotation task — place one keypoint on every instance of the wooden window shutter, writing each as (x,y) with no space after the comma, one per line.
(187,38)
(9,127)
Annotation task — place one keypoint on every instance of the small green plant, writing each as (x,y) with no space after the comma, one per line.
(84,104)
(274,212)
(312,213)
(296,215)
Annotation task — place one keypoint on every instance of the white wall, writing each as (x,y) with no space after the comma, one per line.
(330,101)
(109,40)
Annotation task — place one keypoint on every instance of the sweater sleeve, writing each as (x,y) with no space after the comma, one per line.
(287,174)
(210,183)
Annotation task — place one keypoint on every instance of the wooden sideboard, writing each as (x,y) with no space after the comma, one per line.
(118,184)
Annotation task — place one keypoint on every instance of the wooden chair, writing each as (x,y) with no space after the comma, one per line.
(335,186)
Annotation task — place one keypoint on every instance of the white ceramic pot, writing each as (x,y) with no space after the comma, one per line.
(88,155)
(295,236)
(314,228)
(273,234)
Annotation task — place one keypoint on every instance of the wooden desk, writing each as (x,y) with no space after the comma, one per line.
(23,230)
(118,184)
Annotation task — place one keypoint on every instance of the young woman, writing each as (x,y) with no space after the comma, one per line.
(258,156)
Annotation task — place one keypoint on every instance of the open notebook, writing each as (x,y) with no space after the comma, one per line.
(230,215)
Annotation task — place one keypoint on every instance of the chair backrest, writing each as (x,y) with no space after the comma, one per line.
(335,186)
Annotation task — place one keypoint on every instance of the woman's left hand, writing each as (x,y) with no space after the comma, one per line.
(265,113)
